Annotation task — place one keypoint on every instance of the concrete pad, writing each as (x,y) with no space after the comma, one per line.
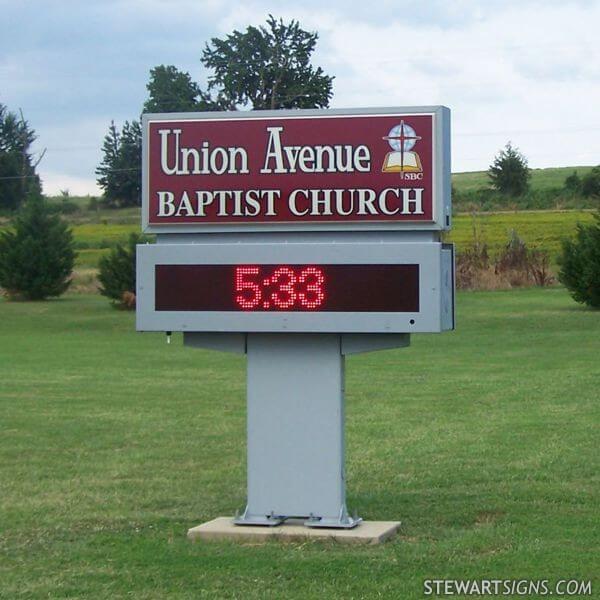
(222,528)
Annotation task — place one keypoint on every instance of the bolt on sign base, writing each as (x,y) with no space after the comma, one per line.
(293,530)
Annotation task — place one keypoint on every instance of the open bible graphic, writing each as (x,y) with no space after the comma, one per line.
(402,139)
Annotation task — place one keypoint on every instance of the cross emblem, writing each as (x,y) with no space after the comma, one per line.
(402,137)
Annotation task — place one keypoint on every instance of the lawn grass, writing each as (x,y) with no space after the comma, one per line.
(482,441)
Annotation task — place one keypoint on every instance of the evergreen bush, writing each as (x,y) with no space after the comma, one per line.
(580,264)
(117,272)
(37,254)
(509,173)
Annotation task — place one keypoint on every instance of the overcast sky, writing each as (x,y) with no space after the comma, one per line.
(521,70)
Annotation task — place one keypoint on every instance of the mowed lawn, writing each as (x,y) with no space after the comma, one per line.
(483,442)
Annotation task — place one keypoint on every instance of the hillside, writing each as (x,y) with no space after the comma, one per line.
(541,179)
(472,192)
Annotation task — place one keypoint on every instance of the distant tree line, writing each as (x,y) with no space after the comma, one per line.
(265,67)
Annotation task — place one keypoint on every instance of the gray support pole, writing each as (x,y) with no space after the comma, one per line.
(296,430)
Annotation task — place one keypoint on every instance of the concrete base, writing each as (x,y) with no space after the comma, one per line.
(222,528)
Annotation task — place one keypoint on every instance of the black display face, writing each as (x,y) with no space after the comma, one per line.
(285,287)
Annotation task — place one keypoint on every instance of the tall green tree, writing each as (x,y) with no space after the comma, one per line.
(509,173)
(266,68)
(37,254)
(17,169)
(119,173)
(171,90)
(107,170)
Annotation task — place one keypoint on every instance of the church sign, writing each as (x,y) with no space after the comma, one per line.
(296,237)
(269,171)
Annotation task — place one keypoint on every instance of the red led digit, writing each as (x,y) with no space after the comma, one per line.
(313,294)
(250,294)
(285,295)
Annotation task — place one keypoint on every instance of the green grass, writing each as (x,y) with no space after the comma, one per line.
(541,179)
(541,229)
(78,210)
(88,258)
(94,235)
(482,441)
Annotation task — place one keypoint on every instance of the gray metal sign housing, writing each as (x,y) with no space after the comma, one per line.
(434,260)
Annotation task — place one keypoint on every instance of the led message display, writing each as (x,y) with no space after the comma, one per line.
(287,287)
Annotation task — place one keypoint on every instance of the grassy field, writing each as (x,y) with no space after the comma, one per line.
(543,229)
(484,442)
(96,232)
(540,229)
(541,179)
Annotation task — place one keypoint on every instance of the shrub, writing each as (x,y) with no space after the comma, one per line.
(515,265)
(522,266)
(580,264)
(117,272)
(37,255)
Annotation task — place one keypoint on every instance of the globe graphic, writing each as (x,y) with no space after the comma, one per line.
(406,131)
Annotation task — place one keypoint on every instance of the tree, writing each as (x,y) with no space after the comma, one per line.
(573,183)
(171,90)
(131,164)
(590,183)
(266,68)
(17,170)
(108,179)
(261,68)
(509,172)
(117,272)
(580,264)
(119,174)
(37,255)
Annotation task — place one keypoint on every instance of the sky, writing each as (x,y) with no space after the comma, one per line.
(523,71)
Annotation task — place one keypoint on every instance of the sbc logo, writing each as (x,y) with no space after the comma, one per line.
(402,139)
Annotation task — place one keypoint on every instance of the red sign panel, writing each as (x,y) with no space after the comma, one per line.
(289,170)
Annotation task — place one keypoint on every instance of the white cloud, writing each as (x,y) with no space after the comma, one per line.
(519,74)
(528,71)
(55,182)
